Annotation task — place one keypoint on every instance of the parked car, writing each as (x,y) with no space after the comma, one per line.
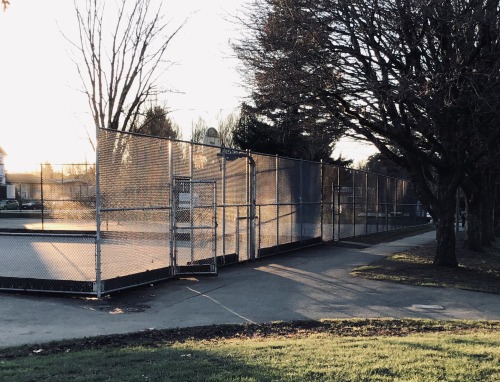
(9,204)
(32,205)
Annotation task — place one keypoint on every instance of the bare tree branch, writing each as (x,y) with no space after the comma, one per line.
(121,57)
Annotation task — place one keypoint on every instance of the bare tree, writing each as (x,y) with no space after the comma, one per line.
(198,130)
(225,126)
(378,164)
(121,57)
(419,79)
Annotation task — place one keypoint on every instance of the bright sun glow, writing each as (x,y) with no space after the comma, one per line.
(43,115)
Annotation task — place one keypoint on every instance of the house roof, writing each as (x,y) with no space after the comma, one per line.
(34,178)
(22,178)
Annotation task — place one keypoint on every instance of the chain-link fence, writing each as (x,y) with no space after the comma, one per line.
(57,197)
(162,209)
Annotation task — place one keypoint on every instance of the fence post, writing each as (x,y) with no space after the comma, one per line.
(41,193)
(237,229)
(247,209)
(321,198)
(353,217)
(387,195)
(301,201)
(377,208)
(223,209)
(366,203)
(339,210)
(171,203)
(396,204)
(191,209)
(98,270)
(277,195)
(252,202)
(332,208)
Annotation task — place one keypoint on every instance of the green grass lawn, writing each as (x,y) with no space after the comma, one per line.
(335,350)
(477,271)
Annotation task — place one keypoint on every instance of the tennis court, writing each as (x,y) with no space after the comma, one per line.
(175,208)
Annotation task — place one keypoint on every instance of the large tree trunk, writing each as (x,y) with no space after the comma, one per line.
(445,226)
(445,235)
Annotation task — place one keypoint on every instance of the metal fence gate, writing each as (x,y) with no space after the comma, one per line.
(152,208)
(194,227)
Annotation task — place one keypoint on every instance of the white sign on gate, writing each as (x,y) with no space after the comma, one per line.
(185,200)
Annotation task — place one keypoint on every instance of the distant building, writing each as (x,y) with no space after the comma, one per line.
(7,191)
(26,186)
(29,186)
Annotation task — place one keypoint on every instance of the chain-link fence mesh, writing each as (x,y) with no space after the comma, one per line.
(134,207)
(47,262)
(54,197)
(163,208)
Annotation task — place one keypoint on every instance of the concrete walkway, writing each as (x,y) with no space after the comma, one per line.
(311,283)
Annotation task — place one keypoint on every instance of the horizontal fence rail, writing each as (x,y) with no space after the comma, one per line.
(147,219)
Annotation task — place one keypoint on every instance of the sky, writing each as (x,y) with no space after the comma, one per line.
(44,117)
